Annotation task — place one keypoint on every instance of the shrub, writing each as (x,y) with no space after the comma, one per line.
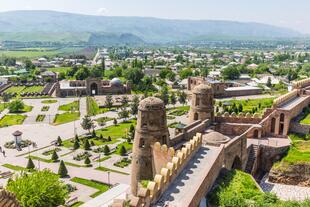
(106,150)
(62,171)
(87,161)
(30,164)
(76,144)
(54,156)
(86,145)
(59,141)
(123,151)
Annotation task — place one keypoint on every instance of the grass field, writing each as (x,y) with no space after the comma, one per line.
(49,101)
(9,120)
(66,117)
(73,106)
(127,145)
(178,111)
(33,89)
(299,153)
(15,89)
(105,169)
(3,106)
(249,104)
(14,167)
(59,70)
(115,132)
(24,89)
(101,187)
(306,120)
(237,188)
(306,116)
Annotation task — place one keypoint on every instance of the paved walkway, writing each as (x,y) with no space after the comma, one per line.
(285,192)
(184,188)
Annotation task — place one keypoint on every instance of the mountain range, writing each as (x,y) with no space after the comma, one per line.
(67,27)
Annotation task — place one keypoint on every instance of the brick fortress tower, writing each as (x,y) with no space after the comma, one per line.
(202,106)
(151,127)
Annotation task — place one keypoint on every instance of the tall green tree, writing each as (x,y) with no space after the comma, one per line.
(108,101)
(173,99)
(134,105)
(87,123)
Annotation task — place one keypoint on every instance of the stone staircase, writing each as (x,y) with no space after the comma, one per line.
(251,158)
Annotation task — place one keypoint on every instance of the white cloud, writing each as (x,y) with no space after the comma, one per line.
(28,7)
(102,11)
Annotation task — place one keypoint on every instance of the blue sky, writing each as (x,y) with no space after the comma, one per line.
(286,13)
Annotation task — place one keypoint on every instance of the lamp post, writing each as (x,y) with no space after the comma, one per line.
(109,177)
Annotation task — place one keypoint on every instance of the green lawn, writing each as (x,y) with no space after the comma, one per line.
(306,116)
(127,145)
(14,167)
(105,169)
(299,153)
(117,131)
(59,70)
(3,106)
(73,106)
(33,89)
(178,111)
(66,117)
(28,54)
(237,188)
(93,108)
(15,89)
(50,101)
(249,104)
(9,120)
(306,119)
(101,187)
(24,89)
(77,204)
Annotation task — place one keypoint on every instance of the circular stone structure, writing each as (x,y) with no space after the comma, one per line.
(151,128)
(215,138)
(202,104)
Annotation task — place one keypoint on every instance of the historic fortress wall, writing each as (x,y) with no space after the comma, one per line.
(168,172)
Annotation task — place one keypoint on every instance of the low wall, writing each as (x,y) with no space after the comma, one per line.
(299,128)
(232,129)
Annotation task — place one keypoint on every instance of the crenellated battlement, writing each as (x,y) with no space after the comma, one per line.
(285,98)
(301,84)
(238,118)
(169,172)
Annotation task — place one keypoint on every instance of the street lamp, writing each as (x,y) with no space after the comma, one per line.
(109,177)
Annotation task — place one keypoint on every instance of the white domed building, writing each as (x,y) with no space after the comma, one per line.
(91,87)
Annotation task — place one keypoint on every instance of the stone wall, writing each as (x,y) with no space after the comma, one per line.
(299,128)
(162,180)
(236,152)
